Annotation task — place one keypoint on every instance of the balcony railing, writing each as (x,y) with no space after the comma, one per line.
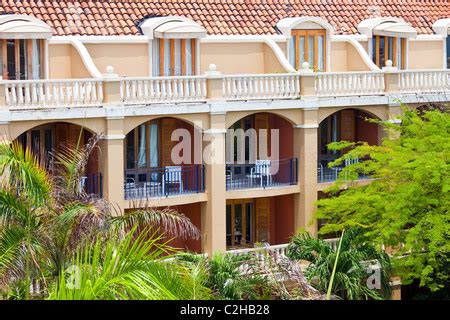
(326,174)
(22,94)
(92,184)
(349,83)
(163,89)
(32,94)
(262,174)
(420,81)
(262,86)
(164,182)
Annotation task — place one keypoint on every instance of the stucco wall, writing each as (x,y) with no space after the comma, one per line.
(425,55)
(65,63)
(233,58)
(338,56)
(60,61)
(132,64)
(271,63)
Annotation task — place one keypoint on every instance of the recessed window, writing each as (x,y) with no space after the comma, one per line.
(308,45)
(174,57)
(389,48)
(22,59)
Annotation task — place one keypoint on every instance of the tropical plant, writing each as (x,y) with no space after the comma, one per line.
(45,218)
(406,205)
(350,270)
(230,276)
(130,266)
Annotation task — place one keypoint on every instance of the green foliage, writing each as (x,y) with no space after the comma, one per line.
(350,276)
(407,205)
(223,274)
(48,223)
(128,267)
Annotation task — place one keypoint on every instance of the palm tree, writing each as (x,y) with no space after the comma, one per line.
(229,276)
(131,267)
(351,274)
(45,218)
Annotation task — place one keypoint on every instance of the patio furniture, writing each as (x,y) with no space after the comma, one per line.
(172,176)
(260,171)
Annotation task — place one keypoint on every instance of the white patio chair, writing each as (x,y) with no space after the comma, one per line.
(261,170)
(130,185)
(83,182)
(172,175)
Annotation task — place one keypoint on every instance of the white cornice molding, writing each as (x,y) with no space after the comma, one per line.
(100,39)
(241,38)
(427,37)
(305,126)
(215,131)
(114,137)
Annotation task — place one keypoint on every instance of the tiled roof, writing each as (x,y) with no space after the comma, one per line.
(121,17)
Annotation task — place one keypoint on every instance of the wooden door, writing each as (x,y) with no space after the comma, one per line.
(263,220)
(348,125)
(167,127)
(262,122)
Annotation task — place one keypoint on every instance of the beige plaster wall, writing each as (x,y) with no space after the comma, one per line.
(425,54)
(338,56)
(132,64)
(60,66)
(233,58)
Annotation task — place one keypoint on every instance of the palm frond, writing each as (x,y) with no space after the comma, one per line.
(168,220)
(21,170)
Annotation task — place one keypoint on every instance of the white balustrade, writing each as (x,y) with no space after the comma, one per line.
(30,94)
(261,86)
(331,84)
(163,89)
(423,81)
(333,242)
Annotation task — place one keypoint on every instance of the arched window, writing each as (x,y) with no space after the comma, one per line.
(22,42)
(388,38)
(309,41)
(174,45)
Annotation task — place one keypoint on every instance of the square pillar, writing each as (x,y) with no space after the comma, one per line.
(305,149)
(214,210)
(111,162)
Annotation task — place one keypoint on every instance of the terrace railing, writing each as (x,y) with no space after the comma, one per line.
(36,94)
(163,89)
(349,83)
(421,81)
(164,182)
(22,94)
(261,86)
(262,174)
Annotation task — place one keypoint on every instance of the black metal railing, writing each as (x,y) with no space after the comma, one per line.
(326,174)
(262,174)
(93,184)
(164,182)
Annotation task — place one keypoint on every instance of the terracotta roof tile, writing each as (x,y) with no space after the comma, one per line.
(117,17)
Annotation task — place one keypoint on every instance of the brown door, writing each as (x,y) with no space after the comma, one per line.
(348,125)
(167,127)
(262,122)
(262,220)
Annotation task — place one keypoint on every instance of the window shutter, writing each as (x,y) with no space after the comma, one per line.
(262,220)
(262,122)
(348,125)
(167,127)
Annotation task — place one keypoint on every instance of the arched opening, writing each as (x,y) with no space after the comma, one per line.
(259,152)
(345,125)
(46,140)
(162,159)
